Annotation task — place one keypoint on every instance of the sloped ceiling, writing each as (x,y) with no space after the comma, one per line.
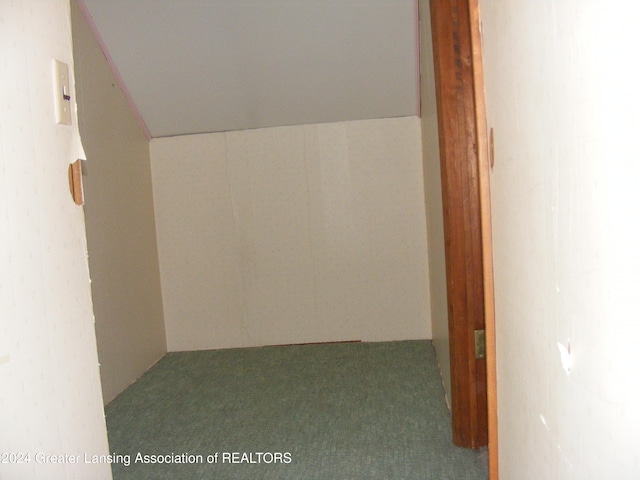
(193,66)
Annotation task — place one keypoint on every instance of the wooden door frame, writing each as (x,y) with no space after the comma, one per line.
(484,170)
(467,221)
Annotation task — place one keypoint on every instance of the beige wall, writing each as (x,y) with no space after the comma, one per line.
(125,278)
(433,199)
(295,234)
(50,399)
(563,100)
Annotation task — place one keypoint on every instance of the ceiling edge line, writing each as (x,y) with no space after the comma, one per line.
(114,69)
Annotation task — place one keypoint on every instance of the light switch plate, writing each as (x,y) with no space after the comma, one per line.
(61,93)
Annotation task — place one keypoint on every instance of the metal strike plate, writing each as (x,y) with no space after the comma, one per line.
(481,346)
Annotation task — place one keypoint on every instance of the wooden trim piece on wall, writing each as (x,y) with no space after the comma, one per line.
(487,243)
(75,182)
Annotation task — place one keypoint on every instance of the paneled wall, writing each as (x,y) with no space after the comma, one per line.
(433,199)
(293,234)
(121,234)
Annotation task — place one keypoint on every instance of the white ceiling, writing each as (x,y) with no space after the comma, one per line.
(193,66)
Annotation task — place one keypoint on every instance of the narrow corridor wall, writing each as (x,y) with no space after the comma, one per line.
(121,233)
(50,400)
(562,97)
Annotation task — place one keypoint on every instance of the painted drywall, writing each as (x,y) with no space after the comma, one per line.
(121,235)
(261,64)
(50,399)
(433,200)
(563,100)
(293,234)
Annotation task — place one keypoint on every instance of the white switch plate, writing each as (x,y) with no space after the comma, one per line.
(61,93)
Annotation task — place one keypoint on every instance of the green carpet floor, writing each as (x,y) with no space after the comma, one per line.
(333,411)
